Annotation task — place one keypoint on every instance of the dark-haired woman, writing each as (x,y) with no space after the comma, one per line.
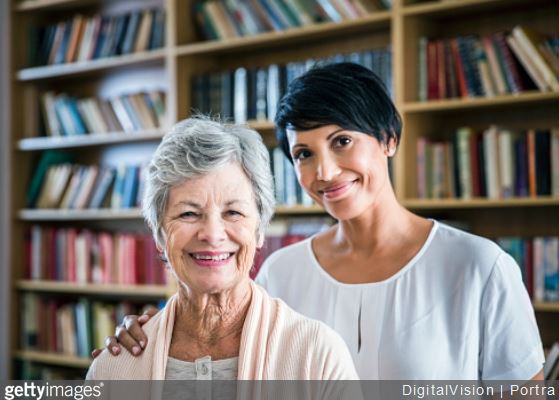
(413,298)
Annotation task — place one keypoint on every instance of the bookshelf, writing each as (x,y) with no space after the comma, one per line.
(186,55)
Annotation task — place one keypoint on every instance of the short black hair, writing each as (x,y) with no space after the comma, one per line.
(344,94)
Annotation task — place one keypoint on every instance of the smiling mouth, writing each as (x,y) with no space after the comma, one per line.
(211,259)
(336,191)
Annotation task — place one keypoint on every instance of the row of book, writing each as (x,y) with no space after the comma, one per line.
(494,163)
(494,64)
(288,191)
(74,186)
(65,115)
(85,256)
(69,327)
(253,94)
(224,19)
(83,38)
(282,233)
(538,259)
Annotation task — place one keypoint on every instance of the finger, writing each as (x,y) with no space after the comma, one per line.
(149,312)
(96,352)
(112,345)
(127,341)
(134,329)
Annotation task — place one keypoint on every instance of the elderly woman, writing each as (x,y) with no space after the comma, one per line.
(208,200)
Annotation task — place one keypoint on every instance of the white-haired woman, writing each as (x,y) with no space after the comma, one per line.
(208,200)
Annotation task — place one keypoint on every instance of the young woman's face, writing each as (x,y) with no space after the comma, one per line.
(343,171)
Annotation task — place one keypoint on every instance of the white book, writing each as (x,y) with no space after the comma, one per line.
(240,97)
(273,91)
(49,112)
(465,175)
(528,40)
(491,162)
(279,174)
(121,114)
(36,252)
(506,163)
(100,123)
(290,183)
(527,63)
(538,263)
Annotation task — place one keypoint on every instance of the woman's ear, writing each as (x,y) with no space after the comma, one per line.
(391,147)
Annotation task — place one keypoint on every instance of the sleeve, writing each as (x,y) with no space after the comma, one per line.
(510,348)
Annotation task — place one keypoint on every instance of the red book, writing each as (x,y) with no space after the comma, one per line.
(432,72)
(531,149)
(141,262)
(460,75)
(441,70)
(71,254)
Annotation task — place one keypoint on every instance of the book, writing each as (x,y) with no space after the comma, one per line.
(530,40)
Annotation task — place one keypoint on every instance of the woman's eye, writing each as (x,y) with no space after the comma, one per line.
(233,213)
(342,141)
(301,155)
(188,214)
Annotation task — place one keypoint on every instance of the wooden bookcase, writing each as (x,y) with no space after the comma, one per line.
(185,55)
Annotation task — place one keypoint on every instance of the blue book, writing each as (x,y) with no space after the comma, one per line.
(129,193)
(101,37)
(131,32)
(60,56)
(77,120)
(157,34)
(131,111)
(275,19)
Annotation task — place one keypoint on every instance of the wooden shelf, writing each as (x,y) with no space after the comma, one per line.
(91,288)
(262,126)
(52,71)
(53,358)
(32,5)
(546,307)
(454,8)
(132,213)
(92,139)
(433,204)
(79,215)
(374,21)
(297,210)
(480,102)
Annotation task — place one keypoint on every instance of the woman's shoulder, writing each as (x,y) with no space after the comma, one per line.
(464,245)
(125,365)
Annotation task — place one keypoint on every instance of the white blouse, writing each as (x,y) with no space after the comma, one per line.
(457,310)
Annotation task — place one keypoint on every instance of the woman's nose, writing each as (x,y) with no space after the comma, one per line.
(212,230)
(327,168)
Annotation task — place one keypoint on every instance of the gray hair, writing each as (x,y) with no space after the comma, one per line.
(196,146)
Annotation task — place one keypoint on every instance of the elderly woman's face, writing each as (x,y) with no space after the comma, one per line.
(210,230)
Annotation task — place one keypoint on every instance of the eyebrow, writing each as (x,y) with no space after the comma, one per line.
(327,138)
(199,206)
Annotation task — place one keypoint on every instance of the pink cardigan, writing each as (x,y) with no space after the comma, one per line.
(276,343)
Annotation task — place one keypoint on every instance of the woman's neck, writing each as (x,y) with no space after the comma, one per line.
(385,225)
(211,318)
